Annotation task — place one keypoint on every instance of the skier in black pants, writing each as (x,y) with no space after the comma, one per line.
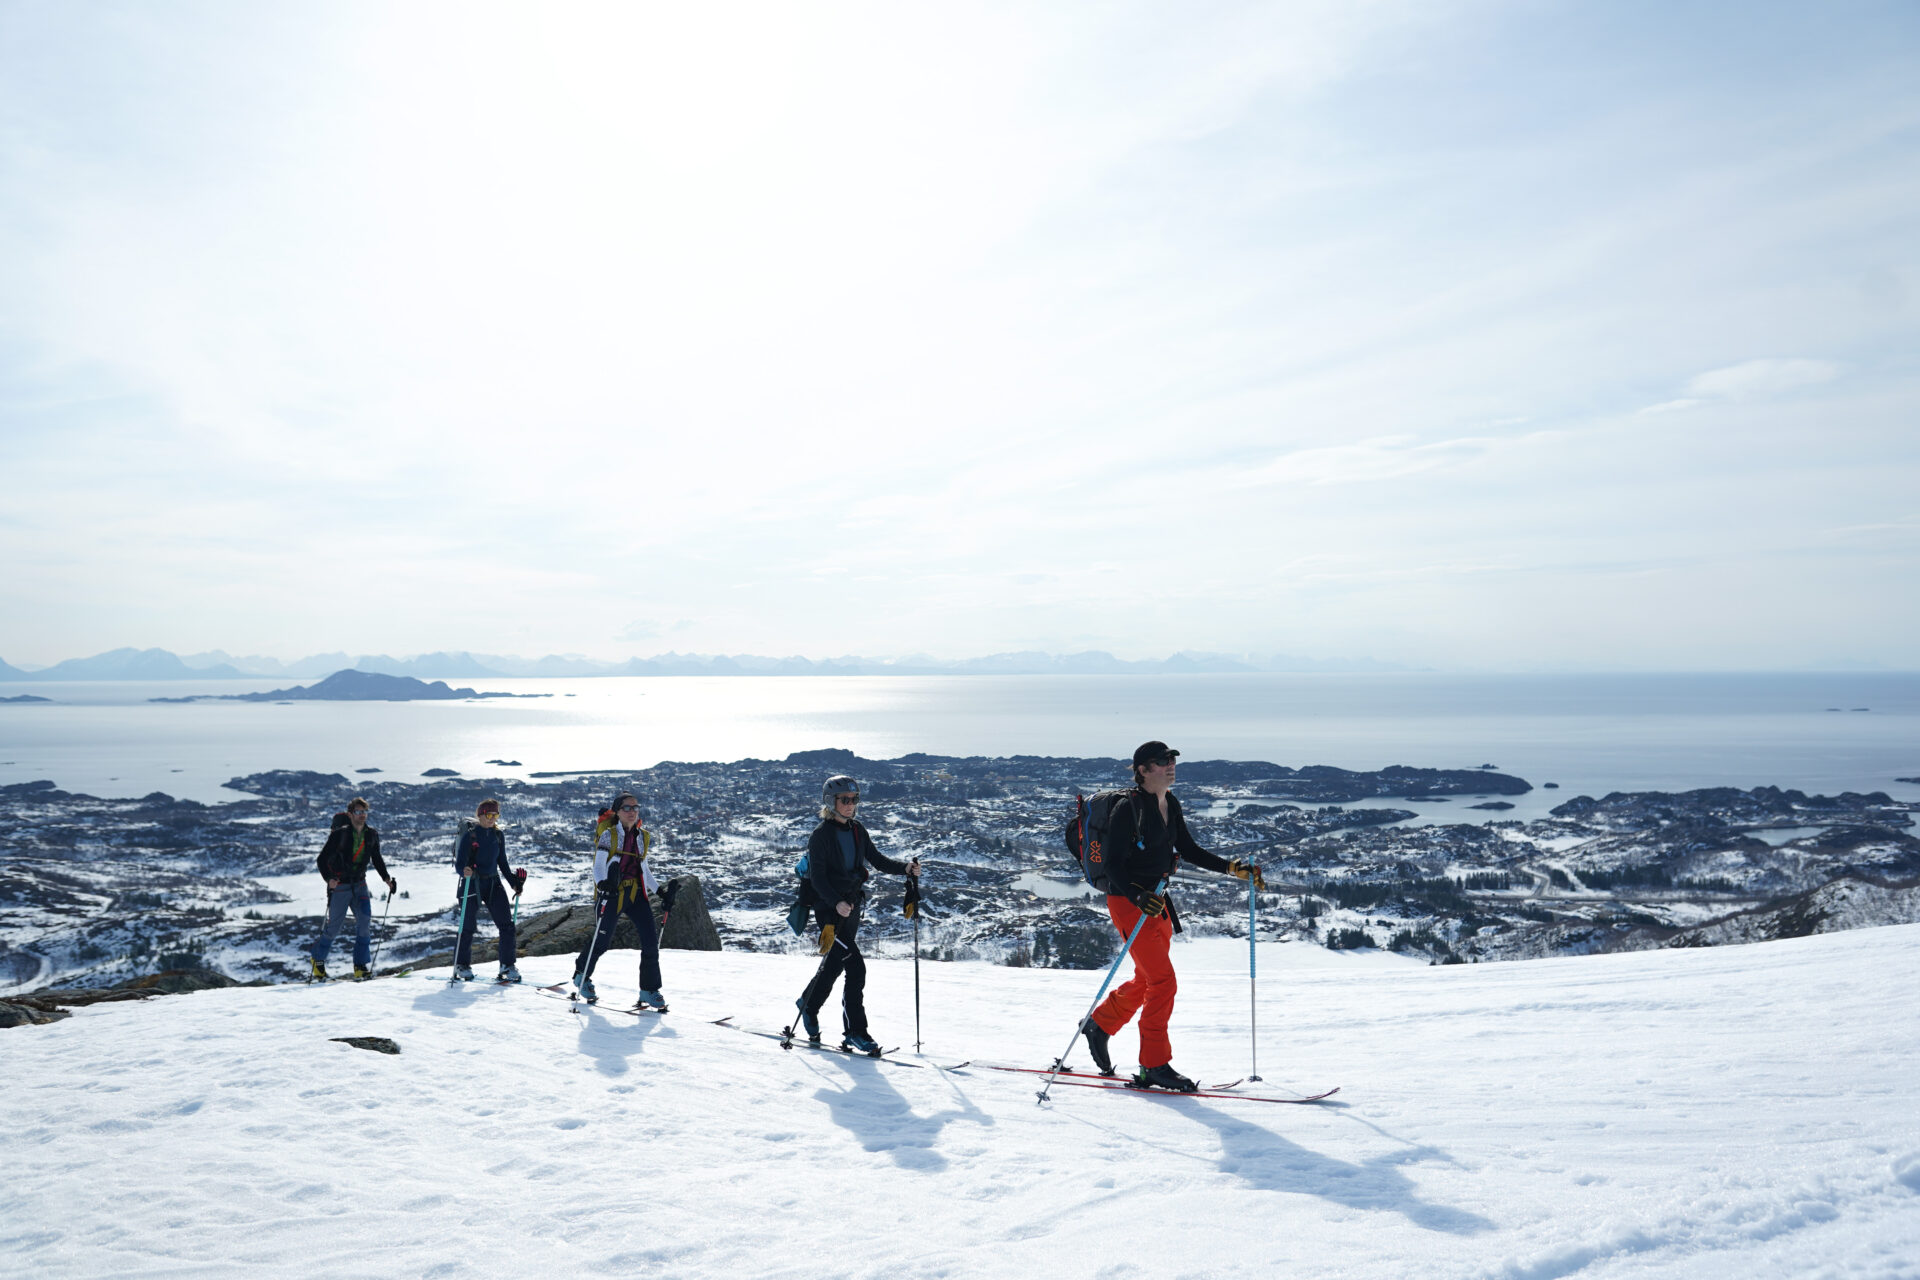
(622,883)
(837,858)
(480,856)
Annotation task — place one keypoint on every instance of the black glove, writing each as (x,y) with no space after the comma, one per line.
(1247,871)
(1151,904)
(910,906)
(668,892)
(519,879)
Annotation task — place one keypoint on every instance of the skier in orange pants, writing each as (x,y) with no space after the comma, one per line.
(1147,838)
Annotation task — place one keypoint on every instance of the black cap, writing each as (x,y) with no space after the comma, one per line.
(1147,751)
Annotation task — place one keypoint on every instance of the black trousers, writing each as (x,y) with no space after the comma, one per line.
(844,958)
(637,910)
(492,895)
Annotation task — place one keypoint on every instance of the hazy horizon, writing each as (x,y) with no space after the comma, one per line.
(1289,664)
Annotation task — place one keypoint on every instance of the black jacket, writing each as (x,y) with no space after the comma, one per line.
(336,860)
(484,849)
(1134,870)
(828,872)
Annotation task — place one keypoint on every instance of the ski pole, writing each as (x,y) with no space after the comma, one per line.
(1060,1063)
(586,961)
(1253,985)
(466,883)
(660,935)
(916,982)
(382,938)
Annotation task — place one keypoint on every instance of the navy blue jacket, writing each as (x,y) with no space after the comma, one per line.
(484,849)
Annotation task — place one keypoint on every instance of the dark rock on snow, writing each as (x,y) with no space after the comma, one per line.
(378,1044)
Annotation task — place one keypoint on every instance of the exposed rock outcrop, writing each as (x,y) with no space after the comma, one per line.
(565,930)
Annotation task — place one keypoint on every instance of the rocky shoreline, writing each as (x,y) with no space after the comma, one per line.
(101,891)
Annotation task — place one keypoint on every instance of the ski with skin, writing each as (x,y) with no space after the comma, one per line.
(1149,1090)
(348,977)
(1069,1073)
(637,1011)
(1087,1080)
(788,1040)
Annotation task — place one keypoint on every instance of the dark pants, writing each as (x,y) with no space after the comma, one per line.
(845,958)
(338,901)
(607,920)
(492,895)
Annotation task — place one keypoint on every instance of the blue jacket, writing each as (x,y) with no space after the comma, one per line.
(484,849)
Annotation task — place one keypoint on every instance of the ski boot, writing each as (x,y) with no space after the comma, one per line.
(1163,1077)
(463,974)
(319,973)
(509,975)
(1097,1045)
(862,1044)
(583,988)
(361,973)
(651,1000)
(809,1022)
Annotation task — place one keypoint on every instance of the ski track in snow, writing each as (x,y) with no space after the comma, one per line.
(1738,1111)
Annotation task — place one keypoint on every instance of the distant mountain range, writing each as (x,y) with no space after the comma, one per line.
(159,664)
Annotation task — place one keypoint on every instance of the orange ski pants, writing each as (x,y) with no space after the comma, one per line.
(1152,984)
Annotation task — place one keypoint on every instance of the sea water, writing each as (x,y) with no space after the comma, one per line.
(1589,733)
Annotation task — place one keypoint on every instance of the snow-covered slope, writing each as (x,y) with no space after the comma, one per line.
(1742,1111)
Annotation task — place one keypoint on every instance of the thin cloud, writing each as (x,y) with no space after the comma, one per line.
(1756,379)
(1382,458)
(1750,380)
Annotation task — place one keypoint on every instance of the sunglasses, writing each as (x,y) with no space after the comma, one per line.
(845,799)
(629,808)
(1160,761)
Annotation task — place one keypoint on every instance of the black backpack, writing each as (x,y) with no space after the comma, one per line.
(1087,835)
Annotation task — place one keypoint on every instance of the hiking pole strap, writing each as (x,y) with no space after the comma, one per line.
(1059,1063)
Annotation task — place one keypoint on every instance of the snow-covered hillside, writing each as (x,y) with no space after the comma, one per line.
(1742,1111)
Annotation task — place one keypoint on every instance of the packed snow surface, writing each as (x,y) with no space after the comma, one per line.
(1736,1111)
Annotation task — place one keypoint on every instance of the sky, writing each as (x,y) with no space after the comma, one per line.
(1471,335)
